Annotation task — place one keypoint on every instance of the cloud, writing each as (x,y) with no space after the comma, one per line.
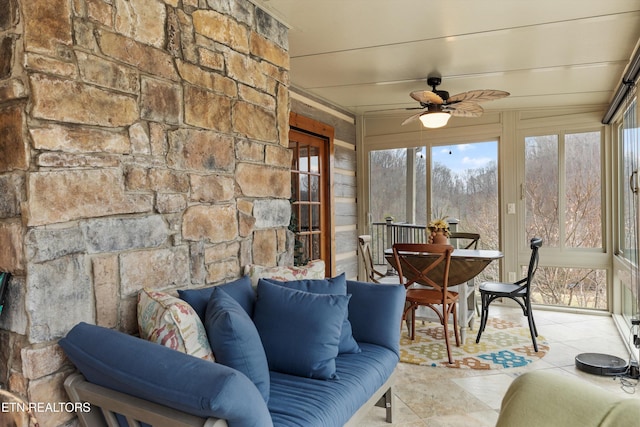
(476,162)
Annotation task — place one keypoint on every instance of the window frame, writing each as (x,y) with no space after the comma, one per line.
(566,256)
(562,186)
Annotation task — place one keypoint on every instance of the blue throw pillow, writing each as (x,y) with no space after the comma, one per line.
(153,372)
(300,331)
(235,341)
(336,286)
(240,289)
(387,303)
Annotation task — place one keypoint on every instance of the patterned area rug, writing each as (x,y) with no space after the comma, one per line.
(503,345)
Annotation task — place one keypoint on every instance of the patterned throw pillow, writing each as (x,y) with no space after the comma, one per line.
(313,270)
(170,321)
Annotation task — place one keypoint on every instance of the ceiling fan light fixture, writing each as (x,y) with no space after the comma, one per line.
(434,120)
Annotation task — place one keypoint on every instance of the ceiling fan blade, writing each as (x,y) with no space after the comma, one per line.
(478,96)
(395,109)
(412,118)
(426,97)
(464,109)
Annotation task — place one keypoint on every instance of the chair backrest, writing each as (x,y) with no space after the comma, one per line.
(465,240)
(364,246)
(535,244)
(422,263)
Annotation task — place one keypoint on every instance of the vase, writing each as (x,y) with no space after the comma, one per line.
(439,238)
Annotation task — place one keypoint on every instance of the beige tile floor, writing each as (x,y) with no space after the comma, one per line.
(442,397)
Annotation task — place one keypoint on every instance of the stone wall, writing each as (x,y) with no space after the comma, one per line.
(142,143)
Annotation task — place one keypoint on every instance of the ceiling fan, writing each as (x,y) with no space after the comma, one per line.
(437,106)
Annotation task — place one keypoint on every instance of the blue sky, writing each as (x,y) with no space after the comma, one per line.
(466,156)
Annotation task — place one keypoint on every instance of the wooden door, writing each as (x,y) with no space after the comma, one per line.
(311,192)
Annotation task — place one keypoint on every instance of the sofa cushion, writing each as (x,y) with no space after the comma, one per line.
(239,289)
(313,270)
(336,286)
(300,331)
(235,341)
(306,402)
(387,302)
(150,371)
(167,320)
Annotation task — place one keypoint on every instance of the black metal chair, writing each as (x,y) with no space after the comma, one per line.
(519,292)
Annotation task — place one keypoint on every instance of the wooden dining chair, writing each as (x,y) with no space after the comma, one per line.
(373,275)
(465,240)
(519,292)
(428,265)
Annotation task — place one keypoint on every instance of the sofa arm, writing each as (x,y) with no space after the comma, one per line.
(100,407)
(152,372)
(541,398)
(375,313)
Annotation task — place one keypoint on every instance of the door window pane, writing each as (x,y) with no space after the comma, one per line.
(563,197)
(541,184)
(629,136)
(464,186)
(314,188)
(303,160)
(315,217)
(388,189)
(314,160)
(583,201)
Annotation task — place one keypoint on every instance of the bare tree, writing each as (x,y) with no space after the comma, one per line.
(573,200)
(581,217)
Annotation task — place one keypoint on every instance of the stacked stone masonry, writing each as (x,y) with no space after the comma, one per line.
(143,143)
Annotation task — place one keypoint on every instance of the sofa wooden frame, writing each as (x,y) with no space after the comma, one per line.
(105,403)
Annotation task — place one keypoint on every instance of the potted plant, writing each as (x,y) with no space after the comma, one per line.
(438,231)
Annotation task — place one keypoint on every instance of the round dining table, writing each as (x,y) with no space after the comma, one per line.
(465,265)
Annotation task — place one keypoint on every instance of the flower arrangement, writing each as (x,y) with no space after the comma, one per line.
(439,225)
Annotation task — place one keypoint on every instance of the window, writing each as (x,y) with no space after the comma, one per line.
(461,182)
(629,182)
(563,183)
(542,186)
(392,181)
(464,186)
(563,206)
(628,138)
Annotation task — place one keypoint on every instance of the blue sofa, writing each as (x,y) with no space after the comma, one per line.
(133,379)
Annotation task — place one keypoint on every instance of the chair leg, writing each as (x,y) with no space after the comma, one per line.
(406,318)
(533,322)
(484,313)
(445,323)
(456,330)
(533,334)
(412,335)
(532,327)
